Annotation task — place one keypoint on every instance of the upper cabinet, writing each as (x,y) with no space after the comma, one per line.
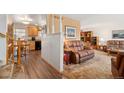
(32,31)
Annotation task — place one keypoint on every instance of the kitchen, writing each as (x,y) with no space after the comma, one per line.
(29,28)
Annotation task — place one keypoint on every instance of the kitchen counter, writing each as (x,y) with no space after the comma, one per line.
(35,45)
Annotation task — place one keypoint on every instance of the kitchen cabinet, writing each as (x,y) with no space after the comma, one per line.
(32,31)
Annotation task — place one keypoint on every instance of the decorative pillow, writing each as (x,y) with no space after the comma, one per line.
(70,44)
(78,43)
(117,42)
(74,44)
(122,42)
(121,47)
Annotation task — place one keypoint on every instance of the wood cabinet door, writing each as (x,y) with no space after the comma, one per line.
(32,45)
(32,31)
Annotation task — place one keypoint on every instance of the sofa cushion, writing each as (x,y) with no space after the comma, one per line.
(121,42)
(74,44)
(78,43)
(83,53)
(121,47)
(115,47)
(117,42)
(78,48)
(90,51)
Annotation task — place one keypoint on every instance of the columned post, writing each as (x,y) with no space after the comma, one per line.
(47,18)
(61,43)
(60,23)
(53,24)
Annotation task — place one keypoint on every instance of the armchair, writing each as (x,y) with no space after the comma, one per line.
(117,66)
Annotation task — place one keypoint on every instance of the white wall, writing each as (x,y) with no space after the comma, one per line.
(102,25)
(52,50)
(3,29)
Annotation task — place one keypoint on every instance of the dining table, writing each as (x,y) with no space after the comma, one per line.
(19,45)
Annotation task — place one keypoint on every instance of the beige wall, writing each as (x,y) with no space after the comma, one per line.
(65,22)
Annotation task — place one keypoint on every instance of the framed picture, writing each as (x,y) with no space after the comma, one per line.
(118,34)
(70,32)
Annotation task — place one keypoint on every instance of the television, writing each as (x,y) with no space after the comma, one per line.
(118,34)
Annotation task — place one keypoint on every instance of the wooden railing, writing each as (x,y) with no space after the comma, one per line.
(10,49)
(2,35)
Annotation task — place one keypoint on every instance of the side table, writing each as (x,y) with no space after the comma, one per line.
(67,56)
(102,48)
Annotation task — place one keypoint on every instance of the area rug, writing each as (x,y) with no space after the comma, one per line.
(17,72)
(5,72)
(98,67)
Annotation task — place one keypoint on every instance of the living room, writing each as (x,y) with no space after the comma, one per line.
(82,46)
(103,35)
(93,46)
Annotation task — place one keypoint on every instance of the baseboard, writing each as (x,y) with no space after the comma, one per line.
(52,66)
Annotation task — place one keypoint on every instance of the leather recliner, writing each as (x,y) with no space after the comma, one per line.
(78,53)
(117,66)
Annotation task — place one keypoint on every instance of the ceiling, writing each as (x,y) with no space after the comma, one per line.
(39,19)
(78,17)
(85,19)
(95,19)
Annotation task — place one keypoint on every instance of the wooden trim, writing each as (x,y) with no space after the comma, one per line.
(2,35)
(19,51)
(7,50)
(10,44)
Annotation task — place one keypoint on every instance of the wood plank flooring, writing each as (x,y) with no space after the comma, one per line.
(35,68)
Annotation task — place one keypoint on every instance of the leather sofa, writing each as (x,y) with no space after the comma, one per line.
(117,66)
(78,52)
(115,45)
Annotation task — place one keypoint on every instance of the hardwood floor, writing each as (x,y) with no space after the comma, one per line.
(35,68)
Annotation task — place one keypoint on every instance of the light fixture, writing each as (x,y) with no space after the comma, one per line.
(26,22)
(25,19)
(36,24)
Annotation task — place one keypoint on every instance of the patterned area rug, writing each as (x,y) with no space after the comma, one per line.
(17,72)
(5,72)
(97,68)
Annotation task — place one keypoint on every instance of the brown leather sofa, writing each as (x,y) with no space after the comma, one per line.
(117,66)
(115,45)
(78,53)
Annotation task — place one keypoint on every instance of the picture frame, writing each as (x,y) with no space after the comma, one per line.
(70,32)
(118,34)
